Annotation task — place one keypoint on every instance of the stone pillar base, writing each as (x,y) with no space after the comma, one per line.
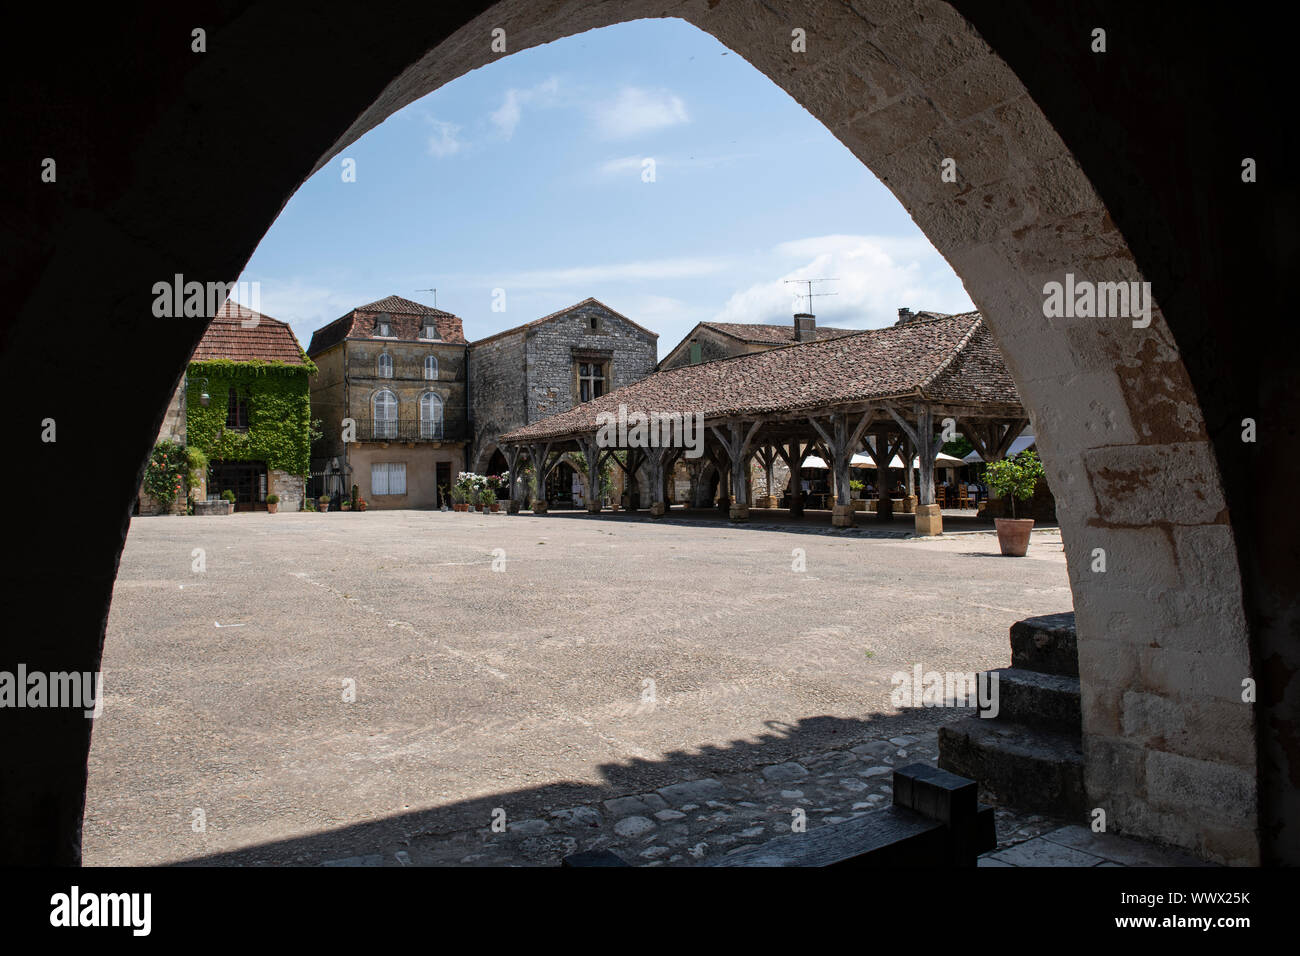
(842,516)
(538,506)
(657,509)
(929,520)
(739,512)
(593,507)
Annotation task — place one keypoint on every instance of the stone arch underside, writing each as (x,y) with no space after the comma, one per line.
(1171,753)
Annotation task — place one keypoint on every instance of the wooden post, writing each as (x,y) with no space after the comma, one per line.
(736,444)
(841,444)
(929,520)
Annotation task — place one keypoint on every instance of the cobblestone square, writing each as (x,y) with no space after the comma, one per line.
(672,690)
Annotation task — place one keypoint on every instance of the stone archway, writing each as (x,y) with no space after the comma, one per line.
(1163,633)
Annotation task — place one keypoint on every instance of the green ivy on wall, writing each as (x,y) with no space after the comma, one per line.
(279,412)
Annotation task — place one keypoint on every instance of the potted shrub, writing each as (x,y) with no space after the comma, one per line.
(1013,478)
(489,499)
(356,497)
(323,503)
(228,497)
(361,504)
(272,503)
(345,505)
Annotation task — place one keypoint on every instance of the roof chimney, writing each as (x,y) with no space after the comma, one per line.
(904,316)
(805,324)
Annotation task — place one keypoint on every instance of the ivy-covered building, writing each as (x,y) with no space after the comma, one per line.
(245,402)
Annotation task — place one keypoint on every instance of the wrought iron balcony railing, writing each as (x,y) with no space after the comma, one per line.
(371,429)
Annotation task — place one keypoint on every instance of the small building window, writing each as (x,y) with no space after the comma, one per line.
(696,353)
(384,325)
(591,380)
(431,367)
(429,331)
(388,478)
(595,323)
(385,365)
(236,410)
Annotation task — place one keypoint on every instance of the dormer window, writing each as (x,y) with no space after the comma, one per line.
(429,331)
(385,366)
(384,325)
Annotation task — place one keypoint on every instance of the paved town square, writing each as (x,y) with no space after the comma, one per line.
(309,688)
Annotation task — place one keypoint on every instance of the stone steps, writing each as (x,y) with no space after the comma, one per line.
(1030,755)
(1029,767)
(1046,644)
(1030,697)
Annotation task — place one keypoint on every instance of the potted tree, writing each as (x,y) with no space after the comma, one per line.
(1013,478)
(489,498)
(272,503)
(323,503)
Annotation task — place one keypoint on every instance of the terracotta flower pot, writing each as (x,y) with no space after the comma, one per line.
(325,507)
(478,508)
(1013,535)
(496,506)
(272,507)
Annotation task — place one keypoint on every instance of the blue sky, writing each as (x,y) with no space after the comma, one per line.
(528,176)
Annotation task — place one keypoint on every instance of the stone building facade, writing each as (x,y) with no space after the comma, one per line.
(172,429)
(549,365)
(391,398)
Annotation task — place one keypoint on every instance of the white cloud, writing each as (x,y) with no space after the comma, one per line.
(636,110)
(507,116)
(875,276)
(444,140)
(632,166)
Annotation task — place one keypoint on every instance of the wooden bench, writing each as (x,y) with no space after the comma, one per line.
(935,821)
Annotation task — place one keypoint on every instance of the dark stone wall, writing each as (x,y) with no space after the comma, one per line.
(171,161)
(1161,123)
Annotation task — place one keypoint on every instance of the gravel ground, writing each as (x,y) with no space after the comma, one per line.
(514,663)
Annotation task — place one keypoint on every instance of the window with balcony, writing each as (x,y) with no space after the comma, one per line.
(431,367)
(385,414)
(430,416)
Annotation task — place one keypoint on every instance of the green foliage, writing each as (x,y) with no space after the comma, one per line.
(272,499)
(279,413)
(165,473)
(1015,477)
(959,447)
(857,487)
(228,495)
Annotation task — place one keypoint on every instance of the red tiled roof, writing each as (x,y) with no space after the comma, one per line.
(568,308)
(407,317)
(759,334)
(952,359)
(239,334)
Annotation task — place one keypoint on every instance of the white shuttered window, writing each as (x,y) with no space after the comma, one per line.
(388,478)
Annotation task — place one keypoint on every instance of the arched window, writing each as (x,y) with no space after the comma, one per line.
(431,367)
(385,365)
(430,416)
(385,414)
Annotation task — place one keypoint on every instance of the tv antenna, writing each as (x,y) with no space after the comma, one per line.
(435,295)
(810,294)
